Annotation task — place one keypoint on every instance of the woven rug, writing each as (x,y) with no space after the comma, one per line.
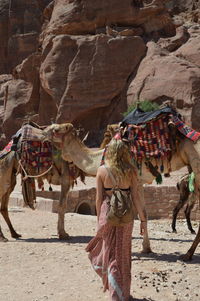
(184,129)
(28,132)
(36,156)
(150,140)
(6,150)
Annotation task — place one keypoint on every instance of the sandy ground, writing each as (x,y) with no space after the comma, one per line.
(39,267)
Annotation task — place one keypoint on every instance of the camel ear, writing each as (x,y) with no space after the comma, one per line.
(67,127)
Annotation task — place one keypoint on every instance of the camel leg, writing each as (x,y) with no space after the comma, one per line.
(4,212)
(62,207)
(4,205)
(195,165)
(146,243)
(183,187)
(14,234)
(196,194)
(176,210)
(187,215)
(190,252)
(2,237)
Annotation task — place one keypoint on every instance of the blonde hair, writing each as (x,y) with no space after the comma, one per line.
(118,157)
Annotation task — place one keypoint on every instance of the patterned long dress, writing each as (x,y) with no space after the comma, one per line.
(110,255)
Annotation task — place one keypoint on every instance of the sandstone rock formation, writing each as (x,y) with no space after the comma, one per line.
(164,76)
(20,26)
(92,74)
(191,50)
(77,60)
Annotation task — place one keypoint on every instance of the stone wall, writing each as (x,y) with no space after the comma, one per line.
(80,201)
(160,201)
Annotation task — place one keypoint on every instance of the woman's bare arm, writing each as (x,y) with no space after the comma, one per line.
(99,192)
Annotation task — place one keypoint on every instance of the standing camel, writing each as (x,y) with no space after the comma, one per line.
(182,185)
(88,161)
(8,170)
(58,175)
(187,154)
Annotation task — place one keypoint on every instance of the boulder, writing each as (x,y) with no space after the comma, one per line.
(21,95)
(172,44)
(20,25)
(85,16)
(92,76)
(191,50)
(164,76)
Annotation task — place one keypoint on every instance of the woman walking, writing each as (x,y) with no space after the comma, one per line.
(110,250)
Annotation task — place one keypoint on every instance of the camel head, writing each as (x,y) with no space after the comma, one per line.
(56,132)
(110,132)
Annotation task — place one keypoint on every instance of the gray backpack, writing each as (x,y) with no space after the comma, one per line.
(120,206)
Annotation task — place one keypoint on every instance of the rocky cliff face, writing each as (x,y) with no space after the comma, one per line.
(84,61)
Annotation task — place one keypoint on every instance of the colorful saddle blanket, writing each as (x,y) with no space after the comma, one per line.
(36,157)
(184,129)
(6,149)
(150,139)
(149,134)
(31,133)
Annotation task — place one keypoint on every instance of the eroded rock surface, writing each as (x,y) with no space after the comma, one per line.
(77,60)
(164,76)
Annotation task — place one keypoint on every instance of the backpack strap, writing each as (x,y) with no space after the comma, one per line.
(112,177)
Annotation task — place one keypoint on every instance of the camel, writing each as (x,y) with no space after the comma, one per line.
(187,154)
(182,185)
(58,175)
(8,170)
(92,160)
(186,197)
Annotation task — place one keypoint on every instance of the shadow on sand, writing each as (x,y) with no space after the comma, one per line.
(165,239)
(72,240)
(171,257)
(143,299)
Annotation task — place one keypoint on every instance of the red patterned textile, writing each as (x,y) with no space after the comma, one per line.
(150,139)
(6,150)
(31,133)
(36,156)
(110,255)
(186,130)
